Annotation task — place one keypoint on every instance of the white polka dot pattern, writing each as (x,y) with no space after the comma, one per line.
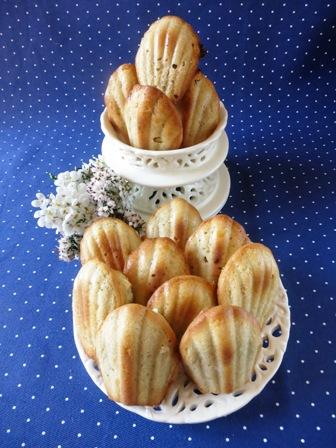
(273,64)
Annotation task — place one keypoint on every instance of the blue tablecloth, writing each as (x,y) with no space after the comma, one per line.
(274,67)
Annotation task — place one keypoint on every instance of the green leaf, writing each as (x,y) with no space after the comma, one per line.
(52,176)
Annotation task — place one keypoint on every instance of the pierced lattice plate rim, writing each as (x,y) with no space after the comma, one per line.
(185,404)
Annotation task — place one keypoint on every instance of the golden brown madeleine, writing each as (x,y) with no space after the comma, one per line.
(109,240)
(176,219)
(154,262)
(120,84)
(220,347)
(181,299)
(250,279)
(152,120)
(212,244)
(200,109)
(136,355)
(168,56)
(97,291)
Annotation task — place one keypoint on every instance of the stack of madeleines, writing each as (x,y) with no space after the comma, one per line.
(192,294)
(163,101)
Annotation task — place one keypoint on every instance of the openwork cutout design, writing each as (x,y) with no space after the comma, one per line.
(179,160)
(148,199)
(173,161)
(185,404)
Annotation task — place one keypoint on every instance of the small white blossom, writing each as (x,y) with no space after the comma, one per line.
(41,201)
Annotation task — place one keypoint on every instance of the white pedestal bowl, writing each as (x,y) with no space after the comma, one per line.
(196,173)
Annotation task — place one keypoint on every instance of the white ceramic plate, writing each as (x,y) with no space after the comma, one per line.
(184,403)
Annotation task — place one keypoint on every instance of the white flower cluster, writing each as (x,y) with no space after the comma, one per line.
(110,192)
(71,210)
(81,196)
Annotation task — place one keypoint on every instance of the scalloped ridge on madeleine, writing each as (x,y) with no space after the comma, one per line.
(250,279)
(212,244)
(176,219)
(220,347)
(120,84)
(168,56)
(152,120)
(200,110)
(151,264)
(136,355)
(109,240)
(97,291)
(181,299)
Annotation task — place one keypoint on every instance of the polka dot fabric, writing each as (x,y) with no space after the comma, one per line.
(273,64)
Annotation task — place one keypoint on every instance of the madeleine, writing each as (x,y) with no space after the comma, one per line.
(152,120)
(151,264)
(200,109)
(176,219)
(109,240)
(136,355)
(168,56)
(219,349)
(97,291)
(120,84)
(181,299)
(212,244)
(251,280)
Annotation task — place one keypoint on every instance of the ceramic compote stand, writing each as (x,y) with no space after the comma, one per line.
(196,173)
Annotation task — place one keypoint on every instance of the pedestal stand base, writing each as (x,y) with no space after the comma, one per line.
(208,195)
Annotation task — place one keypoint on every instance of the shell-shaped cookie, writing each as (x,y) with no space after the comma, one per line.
(200,110)
(181,299)
(152,120)
(120,84)
(212,244)
(250,279)
(136,355)
(97,291)
(176,219)
(109,240)
(154,262)
(168,56)
(219,349)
